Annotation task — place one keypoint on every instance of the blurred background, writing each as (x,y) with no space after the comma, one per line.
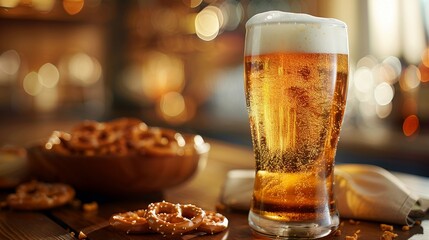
(178,64)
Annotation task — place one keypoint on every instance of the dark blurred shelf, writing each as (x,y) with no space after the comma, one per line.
(386,148)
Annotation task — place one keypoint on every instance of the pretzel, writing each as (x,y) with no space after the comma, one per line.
(213,223)
(91,135)
(125,124)
(120,147)
(171,219)
(123,136)
(130,222)
(36,195)
(157,141)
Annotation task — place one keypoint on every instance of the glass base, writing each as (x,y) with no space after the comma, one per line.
(292,230)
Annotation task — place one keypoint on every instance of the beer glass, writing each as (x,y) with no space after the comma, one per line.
(296,69)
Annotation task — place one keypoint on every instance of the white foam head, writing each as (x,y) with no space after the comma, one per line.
(277,31)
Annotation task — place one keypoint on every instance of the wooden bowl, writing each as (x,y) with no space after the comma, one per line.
(119,175)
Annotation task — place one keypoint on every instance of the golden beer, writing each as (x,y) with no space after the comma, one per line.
(296,99)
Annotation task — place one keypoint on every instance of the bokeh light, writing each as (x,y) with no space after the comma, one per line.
(388,70)
(176,108)
(172,104)
(372,88)
(81,66)
(425,57)
(83,69)
(367,61)
(47,101)
(363,83)
(43,5)
(410,125)
(73,7)
(49,75)
(385,73)
(395,64)
(9,3)
(383,94)
(208,23)
(161,73)
(424,66)
(31,84)
(232,12)
(410,79)
(383,111)
(10,62)
(424,73)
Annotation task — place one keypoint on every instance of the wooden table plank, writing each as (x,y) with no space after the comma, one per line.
(17,225)
(238,227)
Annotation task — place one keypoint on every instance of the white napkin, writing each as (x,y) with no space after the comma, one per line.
(363,192)
(372,193)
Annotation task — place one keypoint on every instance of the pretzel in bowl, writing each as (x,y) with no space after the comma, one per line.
(91,135)
(36,195)
(123,136)
(157,141)
(125,124)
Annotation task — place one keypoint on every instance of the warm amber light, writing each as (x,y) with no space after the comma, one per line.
(47,101)
(409,106)
(43,5)
(208,23)
(161,73)
(9,3)
(410,79)
(73,7)
(383,94)
(10,62)
(49,75)
(424,72)
(410,125)
(192,3)
(172,104)
(83,69)
(175,108)
(383,111)
(31,84)
(425,57)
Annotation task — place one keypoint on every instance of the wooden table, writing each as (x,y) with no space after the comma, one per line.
(203,189)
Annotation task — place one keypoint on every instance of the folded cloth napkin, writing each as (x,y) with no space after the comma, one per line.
(363,192)
(372,193)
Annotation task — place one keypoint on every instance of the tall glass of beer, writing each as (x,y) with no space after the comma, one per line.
(296,69)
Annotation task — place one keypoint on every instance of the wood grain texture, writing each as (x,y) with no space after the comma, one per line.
(203,190)
(30,226)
